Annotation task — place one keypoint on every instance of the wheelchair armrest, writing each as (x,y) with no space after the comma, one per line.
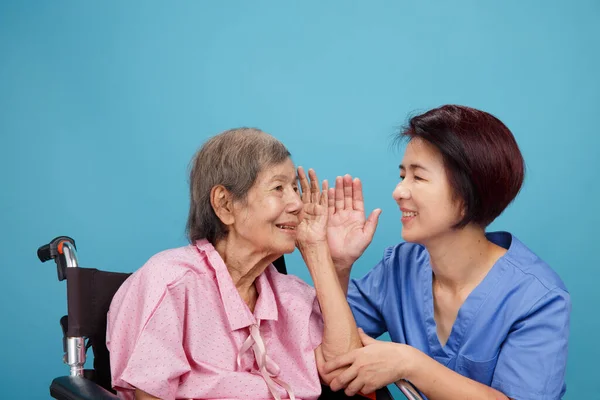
(78,388)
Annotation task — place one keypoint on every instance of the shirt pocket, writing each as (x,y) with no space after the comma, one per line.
(480,371)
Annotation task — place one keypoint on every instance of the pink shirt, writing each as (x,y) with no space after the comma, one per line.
(178,328)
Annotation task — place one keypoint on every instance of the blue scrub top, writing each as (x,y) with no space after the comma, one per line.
(511,333)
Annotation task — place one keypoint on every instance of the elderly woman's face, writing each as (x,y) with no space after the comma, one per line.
(424,194)
(268,219)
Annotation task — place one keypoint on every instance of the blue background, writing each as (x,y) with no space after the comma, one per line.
(102,105)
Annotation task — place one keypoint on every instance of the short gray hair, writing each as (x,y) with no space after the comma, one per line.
(234,159)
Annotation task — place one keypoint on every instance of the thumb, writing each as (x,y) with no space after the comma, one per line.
(371,223)
(364,338)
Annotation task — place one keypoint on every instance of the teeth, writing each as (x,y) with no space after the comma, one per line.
(286,227)
(409,214)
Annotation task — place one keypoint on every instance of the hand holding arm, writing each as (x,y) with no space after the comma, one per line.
(381,363)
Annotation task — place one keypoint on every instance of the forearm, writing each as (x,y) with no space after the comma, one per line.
(438,382)
(340,333)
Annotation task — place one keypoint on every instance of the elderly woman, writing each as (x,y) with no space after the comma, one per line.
(472,315)
(214,319)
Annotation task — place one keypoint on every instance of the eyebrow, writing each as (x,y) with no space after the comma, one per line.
(282,177)
(413,167)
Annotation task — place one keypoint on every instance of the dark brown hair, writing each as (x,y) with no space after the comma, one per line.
(482,159)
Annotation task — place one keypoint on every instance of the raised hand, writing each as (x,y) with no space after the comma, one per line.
(348,231)
(313,227)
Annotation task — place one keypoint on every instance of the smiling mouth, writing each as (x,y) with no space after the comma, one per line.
(409,214)
(286,227)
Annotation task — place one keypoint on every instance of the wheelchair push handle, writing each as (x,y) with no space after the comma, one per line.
(63,251)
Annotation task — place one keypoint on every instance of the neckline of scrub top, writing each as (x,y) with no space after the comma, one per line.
(471,306)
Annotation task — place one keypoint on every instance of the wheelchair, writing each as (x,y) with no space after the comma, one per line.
(89,293)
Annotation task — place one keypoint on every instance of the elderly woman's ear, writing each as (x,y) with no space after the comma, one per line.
(222,203)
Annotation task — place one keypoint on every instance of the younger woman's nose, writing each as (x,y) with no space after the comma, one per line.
(401,192)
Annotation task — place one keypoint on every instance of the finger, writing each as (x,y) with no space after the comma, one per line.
(342,380)
(331,201)
(347,192)
(369,388)
(320,360)
(327,378)
(357,195)
(371,223)
(339,193)
(324,193)
(338,362)
(314,186)
(304,186)
(355,386)
(364,338)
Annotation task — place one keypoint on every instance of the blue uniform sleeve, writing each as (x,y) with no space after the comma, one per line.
(532,361)
(366,297)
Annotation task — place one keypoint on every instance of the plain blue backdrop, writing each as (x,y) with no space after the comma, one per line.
(102,105)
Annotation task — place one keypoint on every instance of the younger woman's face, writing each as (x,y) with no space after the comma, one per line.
(424,195)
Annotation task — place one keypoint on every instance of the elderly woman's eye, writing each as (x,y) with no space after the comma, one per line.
(296,189)
(279,188)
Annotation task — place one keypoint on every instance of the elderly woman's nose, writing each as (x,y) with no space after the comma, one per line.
(295,204)
(401,192)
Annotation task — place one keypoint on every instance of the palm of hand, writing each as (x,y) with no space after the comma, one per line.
(349,232)
(345,235)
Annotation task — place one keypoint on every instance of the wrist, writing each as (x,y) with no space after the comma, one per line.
(315,253)
(411,362)
(343,261)
(343,267)
(318,244)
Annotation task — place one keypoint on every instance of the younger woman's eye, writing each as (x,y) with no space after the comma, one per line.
(418,178)
(401,178)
